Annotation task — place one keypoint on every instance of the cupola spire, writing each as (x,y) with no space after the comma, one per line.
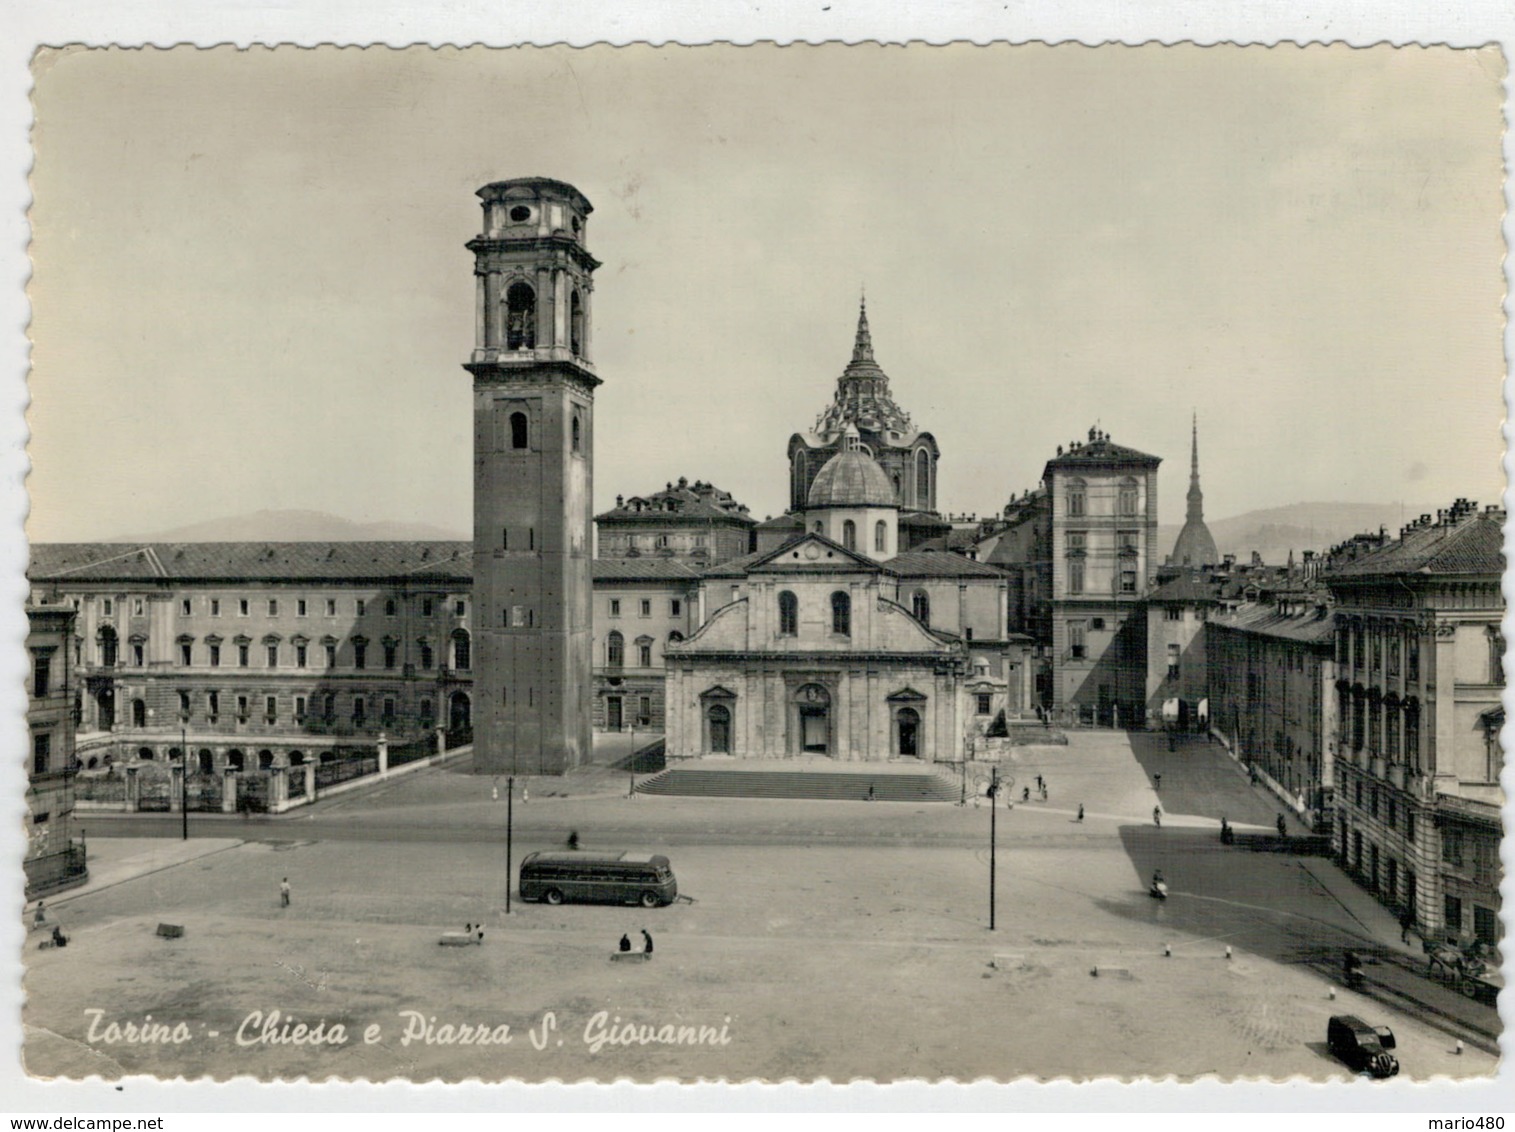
(862,345)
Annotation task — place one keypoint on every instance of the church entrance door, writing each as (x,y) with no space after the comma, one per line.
(908,726)
(815,730)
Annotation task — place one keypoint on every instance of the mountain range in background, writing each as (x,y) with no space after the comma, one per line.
(1275,531)
(1272,532)
(297,526)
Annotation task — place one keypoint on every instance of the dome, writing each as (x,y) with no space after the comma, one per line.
(851,478)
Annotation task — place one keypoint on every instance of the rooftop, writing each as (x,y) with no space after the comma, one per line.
(1461,540)
(697,500)
(450,562)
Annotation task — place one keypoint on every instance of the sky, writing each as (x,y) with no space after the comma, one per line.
(250,287)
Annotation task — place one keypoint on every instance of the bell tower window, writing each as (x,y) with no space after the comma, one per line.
(519,432)
(849,534)
(578,441)
(922,479)
(576,324)
(520,317)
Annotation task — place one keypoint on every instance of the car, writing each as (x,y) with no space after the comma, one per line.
(1365,1048)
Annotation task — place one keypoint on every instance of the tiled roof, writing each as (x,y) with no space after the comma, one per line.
(679,502)
(782,522)
(1473,545)
(1265,619)
(939,564)
(643,570)
(1189,587)
(1100,450)
(262,561)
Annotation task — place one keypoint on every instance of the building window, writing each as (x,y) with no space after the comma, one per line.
(300,655)
(615,607)
(1172,660)
(273,656)
(388,719)
(137,607)
(1496,656)
(1173,613)
(881,537)
(615,649)
(920,606)
(215,655)
(1075,575)
(578,443)
(241,709)
(1128,581)
(426,606)
(660,542)
(242,607)
(185,607)
(644,711)
(42,753)
(985,703)
(212,706)
(359,711)
(789,614)
(644,654)
(359,653)
(1078,499)
(1126,498)
(273,607)
(331,607)
(360,606)
(675,607)
(271,708)
(460,608)
(922,479)
(1394,655)
(1410,825)
(329,707)
(675,637)
(331,654)
(139,657)
(1452,909)
(646,607)
(184,705)
(42,674)
(299,708)
(849,534)
(1077,645)
(215,607)
(242,655)
(519,435)
(520,329)
(1412,659)
(461,651)
(389,607)
(300,607)
(428,715)
(841,614)
(186,653)
(390,652)
(1126,542)
(426,657)
(818,527)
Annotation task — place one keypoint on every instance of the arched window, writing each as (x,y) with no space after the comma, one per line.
(578,439)
(1078,499)
(841,614)
(789,614)
(1126,501)
(234,760)
(576,326)
(881,536)
(797,481)
(108,643)
(922,478)
(849,534)
(615,649)
(265,760)
(920,605)
(675,637)
(462,652)
(519,434)
(520,317)
(818,528)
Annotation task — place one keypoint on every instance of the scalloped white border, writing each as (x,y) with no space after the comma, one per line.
(26,24)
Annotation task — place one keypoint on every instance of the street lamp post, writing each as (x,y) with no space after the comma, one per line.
(993,807)
(510,800)
(184,785)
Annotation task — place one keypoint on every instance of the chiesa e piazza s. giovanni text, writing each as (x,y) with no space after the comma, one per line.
(862,624)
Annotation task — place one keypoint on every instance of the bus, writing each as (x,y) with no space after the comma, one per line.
(603,878)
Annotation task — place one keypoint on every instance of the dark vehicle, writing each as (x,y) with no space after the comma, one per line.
(603,878)
(1365,1048)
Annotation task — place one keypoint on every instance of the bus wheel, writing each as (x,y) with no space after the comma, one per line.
(649,900)
(552,896)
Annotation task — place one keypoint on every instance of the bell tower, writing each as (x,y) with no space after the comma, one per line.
(533,446)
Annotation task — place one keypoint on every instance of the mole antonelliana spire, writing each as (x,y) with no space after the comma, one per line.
(1195,545)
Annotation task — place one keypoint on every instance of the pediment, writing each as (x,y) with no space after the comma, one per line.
(812,553)
(718,692)
(906,695)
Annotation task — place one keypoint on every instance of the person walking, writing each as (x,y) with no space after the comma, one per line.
(1025,794)
(1283,828)
(40,917)
(284,893)
(1038,782)
(1157,816)
(1080,812)
(646,942)
(1406,924)
(1157,782)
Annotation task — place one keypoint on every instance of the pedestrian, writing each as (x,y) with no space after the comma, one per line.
(1080,812)
(59,939)
(1026,794)
(1406,922)
(284,893)
(625,942)
(1038,782)
(573,839)
(40,917)
(1157,782)
(646,942)
(1157,816)
(870,791)
(1044,793)
(1283,829)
